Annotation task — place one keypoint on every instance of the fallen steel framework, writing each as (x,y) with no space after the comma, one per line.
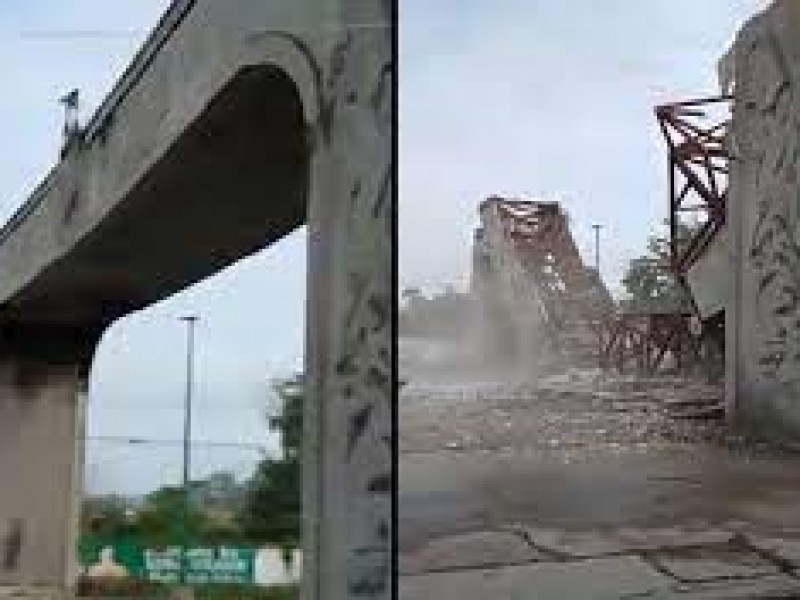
(546,277)
(696,135)
(644,342)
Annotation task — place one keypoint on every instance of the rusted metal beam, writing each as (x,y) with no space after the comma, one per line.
(695,132)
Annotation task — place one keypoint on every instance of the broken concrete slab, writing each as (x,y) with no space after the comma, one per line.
(571,544)
(774,587)
(599,579)
(785,550)
(671,537)
(708,564)
(469,551)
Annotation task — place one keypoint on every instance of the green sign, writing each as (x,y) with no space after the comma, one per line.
(203,565)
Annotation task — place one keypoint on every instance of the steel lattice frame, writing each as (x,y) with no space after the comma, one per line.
(696,135)
(540,234)
(646,339)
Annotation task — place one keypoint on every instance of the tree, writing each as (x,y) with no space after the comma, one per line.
(648,281)
(106,516)
(162,519)
(271,508)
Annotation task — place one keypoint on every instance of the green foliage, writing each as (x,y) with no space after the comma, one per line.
(267,508)
(289,420)
(272,506)
(107,516)
(271,509)
(648,281)
(442,315)
(162,520)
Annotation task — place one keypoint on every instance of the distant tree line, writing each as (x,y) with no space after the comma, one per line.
(264,509)
(443,315)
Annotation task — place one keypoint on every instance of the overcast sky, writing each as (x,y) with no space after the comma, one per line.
(550,98)
(545,97)
(252,314)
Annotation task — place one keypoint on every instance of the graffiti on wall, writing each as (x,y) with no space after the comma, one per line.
(359,85)
(771,123)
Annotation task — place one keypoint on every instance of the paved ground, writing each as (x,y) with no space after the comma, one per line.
(584,487)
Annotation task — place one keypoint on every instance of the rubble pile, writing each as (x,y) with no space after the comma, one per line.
(578,409)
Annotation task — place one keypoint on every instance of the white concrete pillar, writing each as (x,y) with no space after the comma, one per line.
(38,470)
(348,476)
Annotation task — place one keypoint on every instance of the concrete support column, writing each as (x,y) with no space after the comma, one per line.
(348,477)
(39,472)
(763,318)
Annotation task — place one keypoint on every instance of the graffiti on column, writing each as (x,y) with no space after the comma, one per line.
(358,116)
(773,251)
(12,545)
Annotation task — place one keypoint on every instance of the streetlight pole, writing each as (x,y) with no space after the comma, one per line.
(190,320)
(596,228)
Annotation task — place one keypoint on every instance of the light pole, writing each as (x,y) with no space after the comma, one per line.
(190,320)
(596,228)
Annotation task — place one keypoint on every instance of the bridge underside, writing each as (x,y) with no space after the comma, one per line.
(230,185)
(175,186)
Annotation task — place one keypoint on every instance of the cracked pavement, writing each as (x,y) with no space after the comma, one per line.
(582,485)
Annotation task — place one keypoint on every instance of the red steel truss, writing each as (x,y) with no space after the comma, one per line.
(570,298)
(644,342)
(696,135)
(540,234)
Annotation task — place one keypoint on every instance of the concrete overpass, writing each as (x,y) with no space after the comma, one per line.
(237,122)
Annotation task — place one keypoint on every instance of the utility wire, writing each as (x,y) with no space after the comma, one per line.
(170,442)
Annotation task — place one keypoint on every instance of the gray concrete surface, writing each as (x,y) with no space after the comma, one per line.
(38,432)
(236,123)
(763,337)
(588,470)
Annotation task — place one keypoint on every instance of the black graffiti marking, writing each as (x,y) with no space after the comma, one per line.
(790,304)
(762,236)
(379,305)
(356,189)
(773,359)
(380,484)
(71,208)
(377,378)
(339,59)
(766,280)
(358,288)
(383,530)
(383,193)
(12,545)
(346,365)
(358,425)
